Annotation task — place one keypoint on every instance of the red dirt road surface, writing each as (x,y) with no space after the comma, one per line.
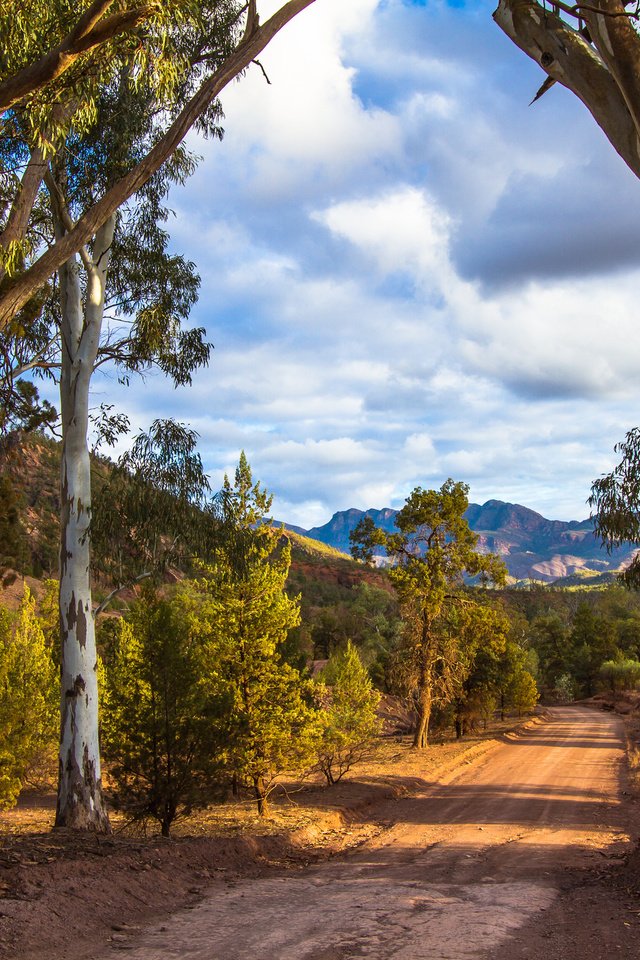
(513,856)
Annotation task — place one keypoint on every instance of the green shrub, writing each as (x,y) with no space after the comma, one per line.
(348,720)
(163,715)
(29,700)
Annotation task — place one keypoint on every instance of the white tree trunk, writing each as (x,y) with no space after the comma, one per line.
(80,800)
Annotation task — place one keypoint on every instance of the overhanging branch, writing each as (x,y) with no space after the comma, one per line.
(90,32)
(21,288)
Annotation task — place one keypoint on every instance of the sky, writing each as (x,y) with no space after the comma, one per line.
(408,273)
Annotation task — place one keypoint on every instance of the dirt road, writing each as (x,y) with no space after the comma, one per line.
(497,863)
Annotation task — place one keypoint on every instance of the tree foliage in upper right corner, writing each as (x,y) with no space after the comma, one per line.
(615,504)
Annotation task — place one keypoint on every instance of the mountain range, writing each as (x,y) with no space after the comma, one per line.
(532,547)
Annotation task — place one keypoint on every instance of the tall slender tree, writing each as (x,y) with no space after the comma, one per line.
(121,301)
(98,189)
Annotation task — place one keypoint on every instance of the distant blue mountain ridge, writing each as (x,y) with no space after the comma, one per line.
(531,546)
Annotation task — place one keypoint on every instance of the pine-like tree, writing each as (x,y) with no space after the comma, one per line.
(349,720)
(249,615)
(432,551)
(163,713)
(29,699)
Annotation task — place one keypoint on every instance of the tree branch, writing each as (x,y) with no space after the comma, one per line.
(61,212)
(18,219)
(87,34)
(619,46)
(595,78)
(114,593)
(576,10)
(21,288)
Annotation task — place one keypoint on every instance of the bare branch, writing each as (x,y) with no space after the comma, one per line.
(577,9)
(548,83)
(264,72)
(114,593)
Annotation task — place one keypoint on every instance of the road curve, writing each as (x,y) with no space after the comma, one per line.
(460,871)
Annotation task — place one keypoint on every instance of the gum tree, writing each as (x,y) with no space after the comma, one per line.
(122,300)
(97,201)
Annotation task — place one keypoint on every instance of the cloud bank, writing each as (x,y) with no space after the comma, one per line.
(407,273)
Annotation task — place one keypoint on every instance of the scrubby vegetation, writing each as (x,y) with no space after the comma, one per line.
(29,700)
(348,718)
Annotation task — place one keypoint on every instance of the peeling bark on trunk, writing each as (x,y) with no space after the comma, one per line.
(605,75)
(80,802)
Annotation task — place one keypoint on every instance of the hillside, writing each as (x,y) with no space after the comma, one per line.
(340,598)
(32,507)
